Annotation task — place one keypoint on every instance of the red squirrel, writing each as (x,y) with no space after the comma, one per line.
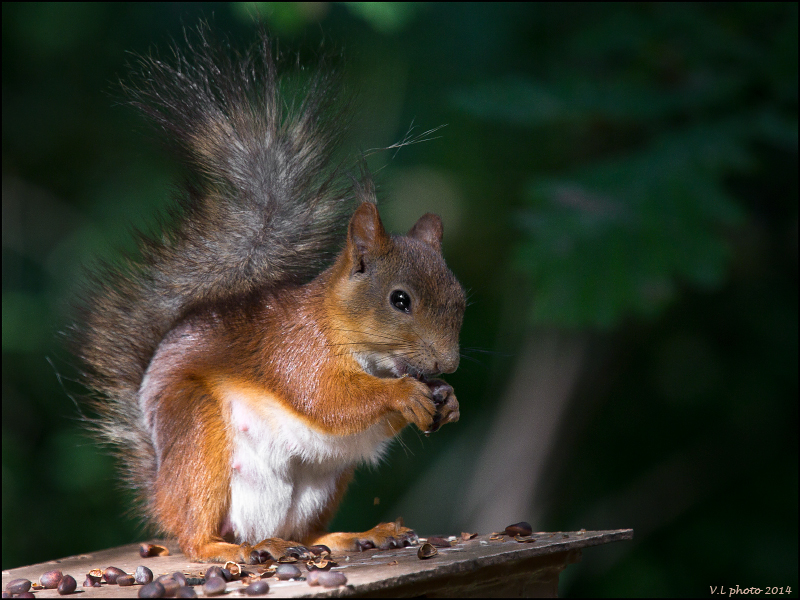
(241,374)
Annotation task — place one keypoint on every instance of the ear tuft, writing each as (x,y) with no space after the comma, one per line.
(428,229)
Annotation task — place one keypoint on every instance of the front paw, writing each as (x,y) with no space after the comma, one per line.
(418,406)
(444,398)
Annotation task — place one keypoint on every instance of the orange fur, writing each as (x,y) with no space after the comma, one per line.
(292,350)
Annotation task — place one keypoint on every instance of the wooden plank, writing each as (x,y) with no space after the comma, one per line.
(479,567)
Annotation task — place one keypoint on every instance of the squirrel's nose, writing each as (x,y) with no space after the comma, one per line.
(448,363)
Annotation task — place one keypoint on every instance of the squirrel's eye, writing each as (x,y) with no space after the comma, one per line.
(401,301)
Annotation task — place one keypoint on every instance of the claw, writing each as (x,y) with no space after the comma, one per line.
(388,544)
(409,539)
(299,552)
(362,545)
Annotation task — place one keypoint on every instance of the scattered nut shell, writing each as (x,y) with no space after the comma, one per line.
(321,564)
(319,549)
(521,528)
(149,550)
(427,550)
(439,542)
(287,559)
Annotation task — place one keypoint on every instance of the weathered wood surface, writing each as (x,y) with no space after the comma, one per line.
(478,567)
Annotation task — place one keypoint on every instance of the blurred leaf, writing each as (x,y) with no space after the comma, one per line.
(616,237)
(519,100)
(386,17)
(283,17)
(26,322)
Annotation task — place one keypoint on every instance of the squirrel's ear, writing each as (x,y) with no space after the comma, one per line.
(365,234)
(428,229)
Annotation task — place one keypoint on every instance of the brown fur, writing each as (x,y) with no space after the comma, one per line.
(222,299)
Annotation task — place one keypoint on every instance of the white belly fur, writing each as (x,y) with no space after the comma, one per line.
(284,472)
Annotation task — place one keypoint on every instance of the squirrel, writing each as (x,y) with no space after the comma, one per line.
(238,365)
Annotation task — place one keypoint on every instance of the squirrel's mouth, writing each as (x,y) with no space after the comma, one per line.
(411,371)
(392,368)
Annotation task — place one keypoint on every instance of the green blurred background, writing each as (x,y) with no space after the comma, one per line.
(619,190)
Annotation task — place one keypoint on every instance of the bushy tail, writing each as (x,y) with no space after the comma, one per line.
(261,206)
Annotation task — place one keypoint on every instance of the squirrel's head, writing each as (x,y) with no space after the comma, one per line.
(398,306)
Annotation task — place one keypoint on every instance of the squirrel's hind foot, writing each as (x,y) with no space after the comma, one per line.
(383,536)
(268,549)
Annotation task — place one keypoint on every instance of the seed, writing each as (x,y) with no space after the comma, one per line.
(67,585)
(186,592)
(257,588)
(170,585)
(51,579)
(427,551)
(521,528)
(18,586)
(214,571)
(286,572)
(154,589)
(143,575)
(331,579)
(313,577)
(215,586)
(180,578)
(125,580)
(111,574)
